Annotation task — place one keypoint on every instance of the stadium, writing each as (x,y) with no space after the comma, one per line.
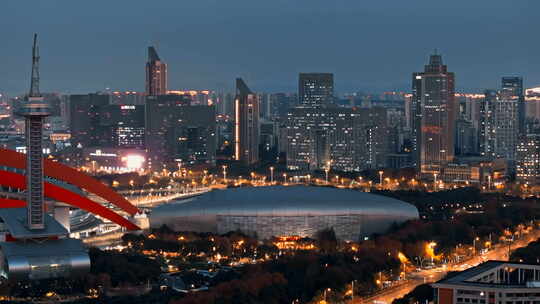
(285,211)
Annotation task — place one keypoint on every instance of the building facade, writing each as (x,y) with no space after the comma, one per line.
(246,124)
(506,113)
(491,282)
(528,160)
(85,117)
(434,110)
(178,132)
(315,89)
(486,125)
(96,123)
(122,126)
(156,74)
(345,139)
(513,87)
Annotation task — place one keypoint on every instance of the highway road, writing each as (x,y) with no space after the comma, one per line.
(432,275)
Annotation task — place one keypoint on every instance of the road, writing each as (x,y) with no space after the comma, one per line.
(432,275)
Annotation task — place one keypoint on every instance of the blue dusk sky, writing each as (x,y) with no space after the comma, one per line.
(87,46)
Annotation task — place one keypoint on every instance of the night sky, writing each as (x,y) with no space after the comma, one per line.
(87,46)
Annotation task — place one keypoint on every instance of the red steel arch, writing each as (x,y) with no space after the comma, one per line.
(18,181)
(10,158)
(11,203)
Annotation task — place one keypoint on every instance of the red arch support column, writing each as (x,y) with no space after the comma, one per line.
(62,172)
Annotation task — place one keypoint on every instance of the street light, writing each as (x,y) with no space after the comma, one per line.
(326,170)
(203,181)
(131,183)
(352,290)
(434,181)
(380,177)
(224,173)
(474,244)
(325,291)
(271,175)
(284,178)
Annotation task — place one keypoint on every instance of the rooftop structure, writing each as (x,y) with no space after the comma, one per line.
(491,282)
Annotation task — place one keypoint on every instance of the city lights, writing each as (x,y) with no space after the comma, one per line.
(275,166)
(134,161)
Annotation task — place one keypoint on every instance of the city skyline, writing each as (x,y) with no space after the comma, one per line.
(253,152)
(380,59)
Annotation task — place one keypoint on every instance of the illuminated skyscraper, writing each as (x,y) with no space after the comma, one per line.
(528,160)
(122,126)
(344,139)
(178,132)
(512,87)
(246,124)
(506,113)
(499,124)
(487,127)
(434,107)
(315,89)
(156,74)
(85,118)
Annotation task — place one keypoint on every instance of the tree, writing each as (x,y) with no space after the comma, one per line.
(326,240)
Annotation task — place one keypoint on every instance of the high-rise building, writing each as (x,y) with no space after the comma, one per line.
(97,123)
(486,125)
(196,97)
(465,138)
(269,133)
(122,126)
(512,87)
(498,127)
(156,74)
(280,103)
(178,132)
(345,139)
(246,124)
(528,160)
(127,98)
(433,104)
(315,89)
(84,118)
(264,105)
(506,112)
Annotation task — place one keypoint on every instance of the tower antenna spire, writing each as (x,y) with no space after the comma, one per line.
(34,85)
(34,112)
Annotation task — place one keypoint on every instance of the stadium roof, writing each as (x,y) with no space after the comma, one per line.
(288,201)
